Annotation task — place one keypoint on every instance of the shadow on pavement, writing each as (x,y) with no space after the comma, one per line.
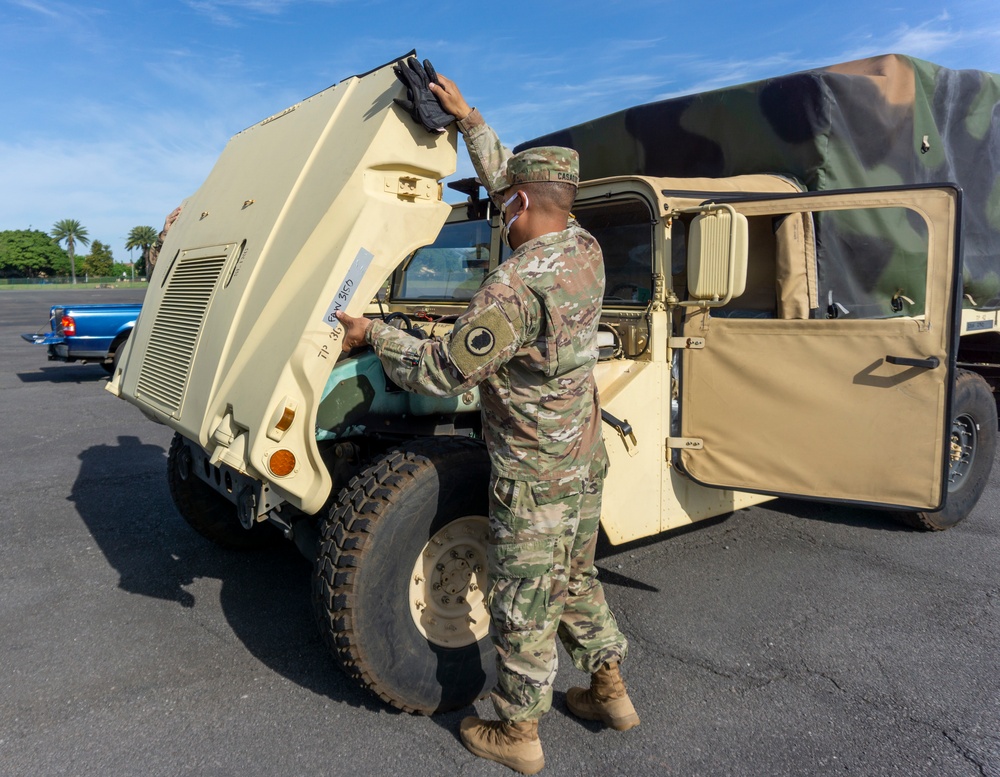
(847,515)
(66,373)
(121,494)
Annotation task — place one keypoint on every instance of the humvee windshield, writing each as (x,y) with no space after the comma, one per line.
(451,268)
(454,265)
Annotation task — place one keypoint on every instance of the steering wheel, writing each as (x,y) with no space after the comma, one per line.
(404,321)
(613,294)
(405,324)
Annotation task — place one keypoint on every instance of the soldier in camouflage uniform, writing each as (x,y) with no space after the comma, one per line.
(529,341)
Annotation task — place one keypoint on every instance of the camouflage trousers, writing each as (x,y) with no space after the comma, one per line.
(543,584)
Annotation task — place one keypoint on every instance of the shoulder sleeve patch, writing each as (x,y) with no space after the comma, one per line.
(481,340)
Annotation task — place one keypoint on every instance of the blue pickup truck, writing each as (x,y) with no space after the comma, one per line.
(87,333)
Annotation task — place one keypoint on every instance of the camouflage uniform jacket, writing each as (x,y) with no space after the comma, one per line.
(529,340)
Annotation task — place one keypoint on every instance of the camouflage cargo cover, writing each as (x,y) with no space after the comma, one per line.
(888,120)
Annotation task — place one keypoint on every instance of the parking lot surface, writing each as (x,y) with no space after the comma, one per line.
(785,639)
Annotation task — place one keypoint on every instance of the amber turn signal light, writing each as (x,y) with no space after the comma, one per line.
(281,462)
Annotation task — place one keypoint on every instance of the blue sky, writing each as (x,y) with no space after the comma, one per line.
(113,111)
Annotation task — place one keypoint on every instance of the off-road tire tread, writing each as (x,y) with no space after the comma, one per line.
(356,514)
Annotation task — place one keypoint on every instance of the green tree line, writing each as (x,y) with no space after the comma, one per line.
(31,253)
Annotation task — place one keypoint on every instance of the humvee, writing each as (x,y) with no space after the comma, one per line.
(747,351)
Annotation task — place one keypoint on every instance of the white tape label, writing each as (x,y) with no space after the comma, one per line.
(348,286)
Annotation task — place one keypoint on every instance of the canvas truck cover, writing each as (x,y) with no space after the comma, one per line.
(888,120)
(304,213)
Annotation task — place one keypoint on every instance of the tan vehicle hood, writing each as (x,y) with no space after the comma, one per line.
(304,213)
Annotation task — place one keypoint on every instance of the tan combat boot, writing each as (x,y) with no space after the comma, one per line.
(513,744)
(606,699)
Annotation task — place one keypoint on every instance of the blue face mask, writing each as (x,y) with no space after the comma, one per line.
(505,232)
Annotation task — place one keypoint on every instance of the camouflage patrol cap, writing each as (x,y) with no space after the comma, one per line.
(547,164)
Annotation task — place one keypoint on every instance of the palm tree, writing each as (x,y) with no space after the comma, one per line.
(144,238)
(70,231)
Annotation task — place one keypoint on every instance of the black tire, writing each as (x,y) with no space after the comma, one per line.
(973,447)
(210,514)
(368,589)
(110,362)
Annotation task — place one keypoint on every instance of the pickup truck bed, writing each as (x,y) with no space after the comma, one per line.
(86,333)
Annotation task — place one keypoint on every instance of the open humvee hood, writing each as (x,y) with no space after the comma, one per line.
(292,224)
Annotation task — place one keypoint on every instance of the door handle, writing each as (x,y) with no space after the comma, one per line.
(624,429)
(929,363)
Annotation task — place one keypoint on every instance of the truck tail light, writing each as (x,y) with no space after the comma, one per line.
(67,326)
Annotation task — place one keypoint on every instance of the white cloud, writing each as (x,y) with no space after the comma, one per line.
(924,41)
(704,75)
(74,17)
(109,185)
(226,12)
(45,10)
(968,41)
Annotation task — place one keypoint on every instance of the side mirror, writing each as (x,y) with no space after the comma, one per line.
(717,256)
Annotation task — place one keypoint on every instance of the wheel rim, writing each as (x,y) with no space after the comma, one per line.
(964,436)
(447,584)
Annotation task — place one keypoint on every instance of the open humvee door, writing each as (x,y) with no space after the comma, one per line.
(853,402)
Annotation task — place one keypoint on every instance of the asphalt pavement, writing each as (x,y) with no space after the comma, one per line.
(785,639)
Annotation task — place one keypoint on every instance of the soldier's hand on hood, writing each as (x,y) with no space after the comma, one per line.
(420,101)
(448,95)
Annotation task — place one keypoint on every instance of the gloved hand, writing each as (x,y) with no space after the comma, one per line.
(420,101)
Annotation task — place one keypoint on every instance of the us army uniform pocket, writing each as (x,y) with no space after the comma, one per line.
(521,577)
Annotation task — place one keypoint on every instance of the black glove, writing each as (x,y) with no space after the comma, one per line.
(420,101)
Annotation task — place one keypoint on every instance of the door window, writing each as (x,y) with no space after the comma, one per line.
(624,231)
(872,263)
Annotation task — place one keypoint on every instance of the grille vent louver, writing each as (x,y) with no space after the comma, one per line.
(166,364)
